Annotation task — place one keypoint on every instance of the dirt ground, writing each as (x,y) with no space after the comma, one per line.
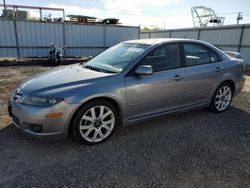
(10,77)
(193,149)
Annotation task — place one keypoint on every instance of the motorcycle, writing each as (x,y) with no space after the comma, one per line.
(56,54)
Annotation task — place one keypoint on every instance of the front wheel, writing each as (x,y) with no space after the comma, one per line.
(95,122)
(222,98)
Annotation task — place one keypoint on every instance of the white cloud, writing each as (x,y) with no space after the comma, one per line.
(121,4)
(170,21)
(34,13)
(130,13)
(135,6)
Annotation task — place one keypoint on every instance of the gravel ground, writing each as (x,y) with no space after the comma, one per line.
(194,149)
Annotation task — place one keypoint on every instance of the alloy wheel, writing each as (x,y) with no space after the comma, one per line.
(223,98)
(97,123)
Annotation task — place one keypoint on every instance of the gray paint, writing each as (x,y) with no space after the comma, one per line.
(138,97)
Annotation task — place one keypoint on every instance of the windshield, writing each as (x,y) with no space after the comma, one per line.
(116,58)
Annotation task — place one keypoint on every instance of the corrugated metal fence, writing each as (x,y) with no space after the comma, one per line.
(234,38)
(31,39)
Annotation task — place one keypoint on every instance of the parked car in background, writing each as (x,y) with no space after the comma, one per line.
(233,54)
(130,82)
(91,20)
(113,21)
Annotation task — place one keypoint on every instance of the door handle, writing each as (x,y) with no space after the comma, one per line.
(218,69)
(178,77)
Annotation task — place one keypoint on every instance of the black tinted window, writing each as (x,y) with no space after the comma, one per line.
(196,54)
(164,58)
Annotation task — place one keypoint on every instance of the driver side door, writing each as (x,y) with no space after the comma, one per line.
(160,92)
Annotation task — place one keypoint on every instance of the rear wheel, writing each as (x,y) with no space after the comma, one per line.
(95,122)
(222,98)
(58,60)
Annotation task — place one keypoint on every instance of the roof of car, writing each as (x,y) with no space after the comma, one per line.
(154,41)
(157,41)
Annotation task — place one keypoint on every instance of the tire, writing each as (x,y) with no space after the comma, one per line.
(95,122)
(58,60)
(222,98)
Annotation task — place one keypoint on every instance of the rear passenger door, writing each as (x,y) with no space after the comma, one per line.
(202,72)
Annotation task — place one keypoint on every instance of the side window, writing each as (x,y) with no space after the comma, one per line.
(196,54)
(163,58)
(213,56)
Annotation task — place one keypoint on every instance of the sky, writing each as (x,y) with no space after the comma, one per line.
(161,13)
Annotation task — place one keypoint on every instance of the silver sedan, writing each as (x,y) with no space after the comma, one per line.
(130,82)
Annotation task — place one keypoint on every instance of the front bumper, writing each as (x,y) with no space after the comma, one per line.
(25,117)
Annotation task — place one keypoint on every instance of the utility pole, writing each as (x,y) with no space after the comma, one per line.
(40,13)
(4,4)
(239,17)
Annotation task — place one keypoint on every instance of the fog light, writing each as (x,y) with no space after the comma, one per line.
(36,128)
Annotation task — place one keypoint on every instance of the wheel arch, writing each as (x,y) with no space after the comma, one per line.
(212,103)
(108,99)
(230,82)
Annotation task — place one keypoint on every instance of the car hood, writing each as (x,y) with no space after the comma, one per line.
(70,76)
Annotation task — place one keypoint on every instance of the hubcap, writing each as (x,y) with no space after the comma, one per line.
(223,98)
(97,123)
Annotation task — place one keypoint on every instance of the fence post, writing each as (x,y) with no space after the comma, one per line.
(64,39)
(139,32)
(199,32)
(17,41)
(104,37)
(149,34)
(170,33)
(241,36)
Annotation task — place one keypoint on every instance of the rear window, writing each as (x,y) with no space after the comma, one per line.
(196,54)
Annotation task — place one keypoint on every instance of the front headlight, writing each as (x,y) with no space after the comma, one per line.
(41,101)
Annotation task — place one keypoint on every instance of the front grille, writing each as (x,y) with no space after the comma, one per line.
(16,120)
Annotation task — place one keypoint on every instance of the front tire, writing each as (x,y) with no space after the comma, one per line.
(222,98)
(95,122)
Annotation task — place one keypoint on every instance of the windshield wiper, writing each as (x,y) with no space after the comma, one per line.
(98,69)
(92,68)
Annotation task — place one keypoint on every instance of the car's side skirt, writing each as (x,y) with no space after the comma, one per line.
(164,114)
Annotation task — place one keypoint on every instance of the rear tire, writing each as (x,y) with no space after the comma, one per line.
(222,98)
(95,122)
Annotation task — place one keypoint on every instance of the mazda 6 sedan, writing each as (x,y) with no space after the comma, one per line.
(130,82)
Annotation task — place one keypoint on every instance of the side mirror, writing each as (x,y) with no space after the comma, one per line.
(144,70)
